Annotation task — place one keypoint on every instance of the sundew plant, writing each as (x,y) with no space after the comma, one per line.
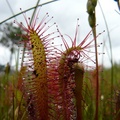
(51,81)
(55,81)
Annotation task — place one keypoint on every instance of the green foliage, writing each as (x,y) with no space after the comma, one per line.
(7,89)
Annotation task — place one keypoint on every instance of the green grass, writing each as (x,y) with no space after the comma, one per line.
(12,104)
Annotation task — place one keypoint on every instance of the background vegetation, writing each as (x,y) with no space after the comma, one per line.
(14,107)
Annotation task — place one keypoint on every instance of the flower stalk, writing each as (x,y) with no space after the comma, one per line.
(91,5)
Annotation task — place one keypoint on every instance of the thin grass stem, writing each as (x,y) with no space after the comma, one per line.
(111,60)
(27,11)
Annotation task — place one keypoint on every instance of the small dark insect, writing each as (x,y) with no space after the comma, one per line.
(35,73)
(71,62)
(32,46)
(73,58)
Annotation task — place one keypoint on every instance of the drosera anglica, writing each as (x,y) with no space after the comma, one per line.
(38,52)
(82,51)
(64,74)
(49,78)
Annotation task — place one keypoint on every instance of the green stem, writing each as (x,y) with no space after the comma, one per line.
(97,72)
(79,74)
(97,76)
(34,11)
